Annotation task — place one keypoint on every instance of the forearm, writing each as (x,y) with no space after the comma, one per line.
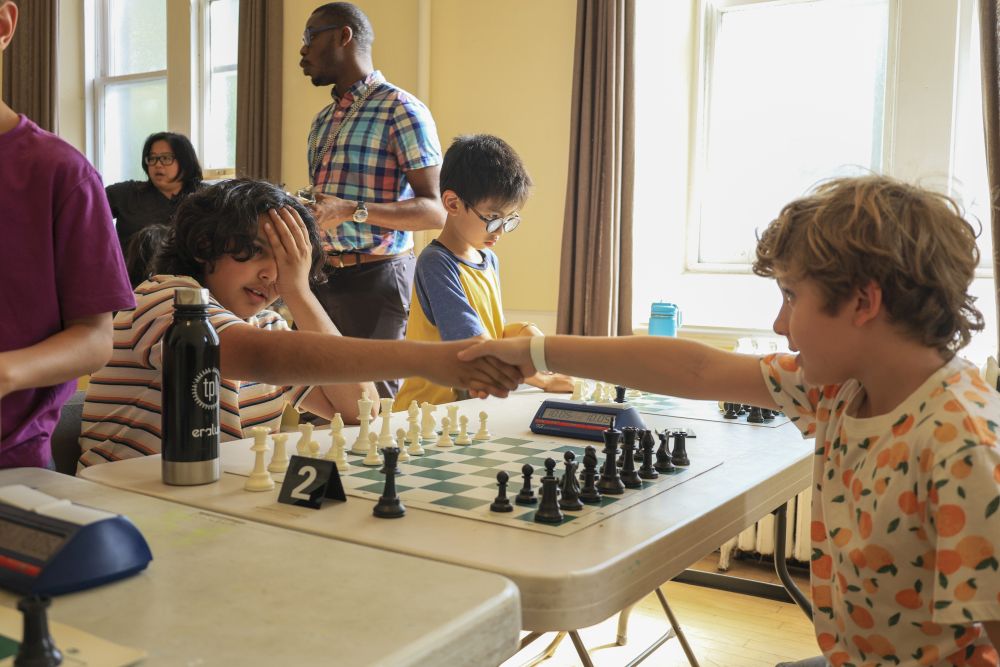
(662,365)
(84,346)
(308,313)
(409,215)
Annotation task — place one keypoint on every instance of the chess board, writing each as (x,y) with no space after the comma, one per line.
(671,406)
(461,480)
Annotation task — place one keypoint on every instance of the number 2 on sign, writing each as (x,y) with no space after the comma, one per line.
(310,474)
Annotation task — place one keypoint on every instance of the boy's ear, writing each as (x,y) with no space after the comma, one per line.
(8,21)
(452,202)
(867,303)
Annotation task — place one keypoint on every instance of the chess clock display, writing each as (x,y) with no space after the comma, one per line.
(50,546)
(584,421)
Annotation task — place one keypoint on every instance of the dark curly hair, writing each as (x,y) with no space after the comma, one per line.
(222,219)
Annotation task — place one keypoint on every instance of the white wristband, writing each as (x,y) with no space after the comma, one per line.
(537,349)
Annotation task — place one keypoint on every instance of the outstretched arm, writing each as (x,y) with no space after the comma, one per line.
(661,365)
(84,346)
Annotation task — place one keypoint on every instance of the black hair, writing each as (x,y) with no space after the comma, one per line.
(140,250)
(189,169)
(481,167)
(344,13)
(222,219)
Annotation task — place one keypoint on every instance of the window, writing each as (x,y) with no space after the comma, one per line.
(140,87)
(219,91)
(130,84)
(755,101)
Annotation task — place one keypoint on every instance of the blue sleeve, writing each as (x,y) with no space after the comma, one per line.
(442,297)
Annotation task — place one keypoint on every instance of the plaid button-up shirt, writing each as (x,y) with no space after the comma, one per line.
(391,133)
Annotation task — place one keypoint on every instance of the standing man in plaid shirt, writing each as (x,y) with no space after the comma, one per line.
(374,160)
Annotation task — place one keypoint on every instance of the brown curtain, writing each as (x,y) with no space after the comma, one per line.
(29,63)
(595,282)
(989,25)
(258,90)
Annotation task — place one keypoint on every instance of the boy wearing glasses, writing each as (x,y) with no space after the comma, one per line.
(457,283)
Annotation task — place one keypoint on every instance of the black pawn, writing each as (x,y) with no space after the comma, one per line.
(526,496)
(630,478)
(732,410)
(502,503)
(619,394)
(663,463)
(628,443)
(589,493)
(647,445)
(610,482)
(570,498)
(679,455)
(389,505)
(755,416)
(37,648)
(548,510)
(768,414)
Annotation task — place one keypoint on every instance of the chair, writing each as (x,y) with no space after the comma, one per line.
(66,437)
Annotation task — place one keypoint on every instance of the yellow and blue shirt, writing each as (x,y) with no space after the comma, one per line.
(453,299)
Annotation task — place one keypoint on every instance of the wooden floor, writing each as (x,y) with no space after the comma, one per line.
(724,629)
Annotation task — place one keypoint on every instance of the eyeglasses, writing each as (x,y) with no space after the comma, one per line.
(166,159)
(509,223)
(309,32)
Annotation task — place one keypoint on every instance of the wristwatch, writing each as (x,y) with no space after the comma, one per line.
(361,213)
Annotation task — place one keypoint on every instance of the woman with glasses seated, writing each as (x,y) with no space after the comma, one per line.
(173,173)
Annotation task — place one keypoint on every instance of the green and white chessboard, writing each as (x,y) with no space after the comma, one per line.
(461,480)
(671,406)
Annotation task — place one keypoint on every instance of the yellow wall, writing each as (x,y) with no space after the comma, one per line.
(503,68)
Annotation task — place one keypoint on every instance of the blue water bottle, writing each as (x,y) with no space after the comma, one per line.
(664,319)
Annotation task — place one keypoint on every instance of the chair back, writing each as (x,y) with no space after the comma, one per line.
(66,437)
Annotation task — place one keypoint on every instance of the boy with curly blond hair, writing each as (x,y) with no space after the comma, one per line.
(905,531)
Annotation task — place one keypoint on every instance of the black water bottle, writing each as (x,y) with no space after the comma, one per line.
(190,416)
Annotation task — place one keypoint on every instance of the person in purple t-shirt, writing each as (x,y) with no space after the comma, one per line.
(61,277)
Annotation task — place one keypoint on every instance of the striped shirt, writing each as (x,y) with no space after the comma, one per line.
(391,133)
(121,414)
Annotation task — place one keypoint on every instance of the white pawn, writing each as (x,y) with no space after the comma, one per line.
(445,439)
(360,445)
(453,419)
(385,437)
(412,417)
(404,456)
(279,460)
(598,393)
(336,453)
(414,437)
(577,390)
(373,458)
(463,432)
(483,433)
(260,478)
(304,445)
(427,421)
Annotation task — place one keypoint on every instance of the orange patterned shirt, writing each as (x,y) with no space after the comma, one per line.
(905,517)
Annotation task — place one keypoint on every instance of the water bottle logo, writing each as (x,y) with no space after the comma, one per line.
(205,388)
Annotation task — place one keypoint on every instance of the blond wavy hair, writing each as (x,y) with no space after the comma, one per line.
(914,243)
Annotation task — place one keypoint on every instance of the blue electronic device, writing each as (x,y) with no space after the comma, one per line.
(582,420)
(59,547)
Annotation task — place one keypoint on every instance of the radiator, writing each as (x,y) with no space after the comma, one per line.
(759,538)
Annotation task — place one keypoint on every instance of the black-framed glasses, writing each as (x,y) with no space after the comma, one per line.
(509,223)
(307,35)
(166,159)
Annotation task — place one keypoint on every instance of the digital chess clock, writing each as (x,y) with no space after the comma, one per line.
(585,421)
(50,546)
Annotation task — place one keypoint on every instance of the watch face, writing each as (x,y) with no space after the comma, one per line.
(361,213)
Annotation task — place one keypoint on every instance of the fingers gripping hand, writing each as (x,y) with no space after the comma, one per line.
(512,351)
(331,212)
(289,239)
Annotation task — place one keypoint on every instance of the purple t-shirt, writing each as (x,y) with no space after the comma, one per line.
(59,261)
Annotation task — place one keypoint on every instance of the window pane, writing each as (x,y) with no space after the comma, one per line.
(796,96)
(220,122)
(971,184)
(137,36)
(132,111)
(223,25)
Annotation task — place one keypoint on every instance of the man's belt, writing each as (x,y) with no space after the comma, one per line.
(348,258)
